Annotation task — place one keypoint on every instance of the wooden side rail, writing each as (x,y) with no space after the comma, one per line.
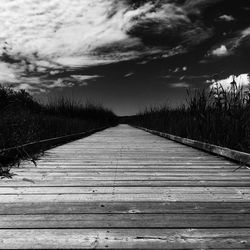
(241,157)
(23,151)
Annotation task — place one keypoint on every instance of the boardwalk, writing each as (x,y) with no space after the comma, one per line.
(125,188)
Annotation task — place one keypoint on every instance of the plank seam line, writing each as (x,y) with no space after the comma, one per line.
(116,170)
(122,228)
(127,213)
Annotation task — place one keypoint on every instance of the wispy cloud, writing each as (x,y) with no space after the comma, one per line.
(129,74)
(227,18)
(59,29)
(179,85)
(48,40)
(82,33)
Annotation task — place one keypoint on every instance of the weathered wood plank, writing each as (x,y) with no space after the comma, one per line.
(126,238)
(124,183)
(129,169)
(131,177)
(125,221)
(125,208)
(124,190)
(125,197)
(134,173)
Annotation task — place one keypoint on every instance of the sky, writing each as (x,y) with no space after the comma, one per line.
(125,54)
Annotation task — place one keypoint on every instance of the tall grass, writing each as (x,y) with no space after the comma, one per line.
(216,116)
(24,120)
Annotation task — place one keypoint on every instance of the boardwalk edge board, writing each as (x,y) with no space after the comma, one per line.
(241,157)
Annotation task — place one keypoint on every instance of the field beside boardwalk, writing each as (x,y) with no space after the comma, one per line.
(24,120)
(214,116)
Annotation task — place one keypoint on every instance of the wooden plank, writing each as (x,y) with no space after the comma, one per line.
(24,182)
(140,173)
(135,176)
(130,171)
(125,208)
(129,168)
(126,239)
(125,221)
(125,197)
(124,190)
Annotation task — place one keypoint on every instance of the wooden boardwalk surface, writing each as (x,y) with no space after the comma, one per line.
(125,188)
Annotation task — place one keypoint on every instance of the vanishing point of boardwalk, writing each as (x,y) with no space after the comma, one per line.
(126,188)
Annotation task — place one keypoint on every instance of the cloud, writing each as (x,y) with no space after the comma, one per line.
(7,74)
(179,69)
(85,77)
(240,39)
(238,43)
(129,74)
(176,70)
(82,33)
(241,80)
(158,20)
(245,32)
(165,23)
(12,75)
(83,80)
(28,87)
(54,72)
(179,85)
(59,28)
(221,51)
(227,18)
(49,37)
(48,40)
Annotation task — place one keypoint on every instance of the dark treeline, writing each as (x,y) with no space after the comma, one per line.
(217,116)
(24,120)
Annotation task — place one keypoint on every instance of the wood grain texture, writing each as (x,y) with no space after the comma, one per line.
(126,188)
(195,239)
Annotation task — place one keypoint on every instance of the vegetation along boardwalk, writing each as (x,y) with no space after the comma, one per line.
(126,188)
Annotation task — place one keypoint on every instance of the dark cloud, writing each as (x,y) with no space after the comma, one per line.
(166,24)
